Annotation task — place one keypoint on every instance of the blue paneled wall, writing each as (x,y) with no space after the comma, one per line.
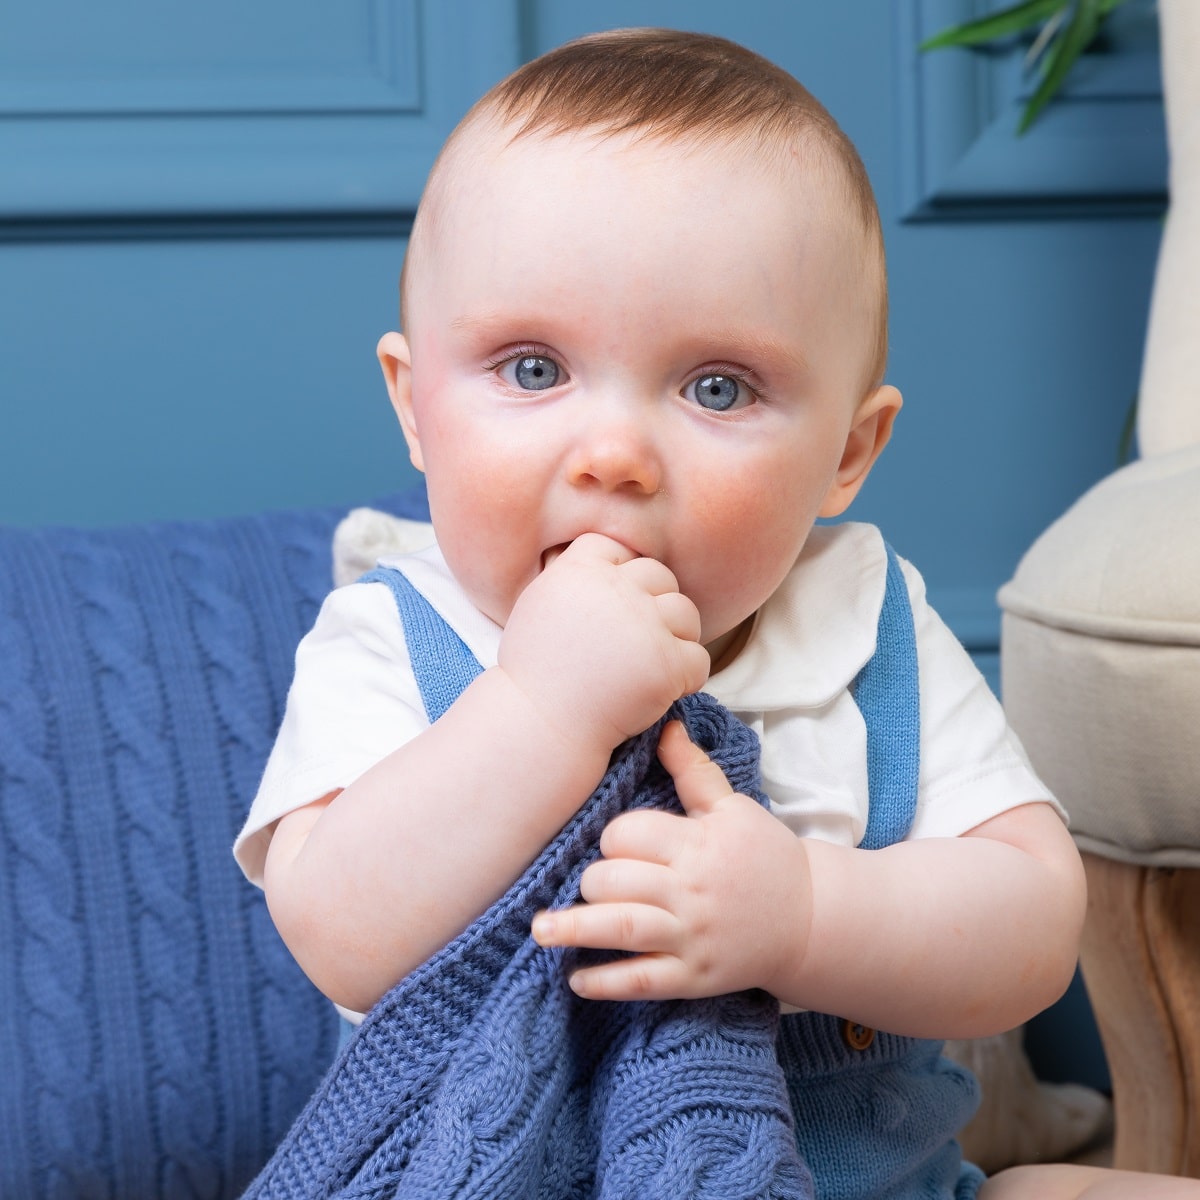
(203,214)
(203,226)
(202,221)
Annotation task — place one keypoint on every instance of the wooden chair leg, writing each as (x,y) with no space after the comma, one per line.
(1141,962)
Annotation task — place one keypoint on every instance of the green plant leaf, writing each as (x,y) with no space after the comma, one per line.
(1068,27)
(1061,55)
(997,25)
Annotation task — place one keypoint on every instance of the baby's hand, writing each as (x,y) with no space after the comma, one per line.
(712,902)
(603,642)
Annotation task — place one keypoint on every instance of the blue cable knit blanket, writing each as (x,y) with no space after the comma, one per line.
(483,1075)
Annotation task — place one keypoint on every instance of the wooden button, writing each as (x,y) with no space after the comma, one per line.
(857,1037)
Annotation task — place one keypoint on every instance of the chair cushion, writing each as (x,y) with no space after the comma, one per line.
(157,1038)
(1100,661)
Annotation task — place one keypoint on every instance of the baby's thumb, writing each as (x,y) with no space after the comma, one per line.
(700,784)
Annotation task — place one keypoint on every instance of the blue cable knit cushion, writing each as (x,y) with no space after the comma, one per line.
(483,1076)
(156,1038)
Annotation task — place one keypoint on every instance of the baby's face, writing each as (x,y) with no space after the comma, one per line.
(658,343)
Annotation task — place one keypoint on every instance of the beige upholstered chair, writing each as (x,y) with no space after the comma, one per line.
(1100,663)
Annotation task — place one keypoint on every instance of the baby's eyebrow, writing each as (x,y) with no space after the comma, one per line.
(768,357)
(494,322)
(753,346)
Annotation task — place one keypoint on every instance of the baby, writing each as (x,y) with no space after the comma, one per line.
(644,311)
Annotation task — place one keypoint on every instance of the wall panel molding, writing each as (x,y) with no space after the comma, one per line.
(361,57)
(1099,150)
(252,111)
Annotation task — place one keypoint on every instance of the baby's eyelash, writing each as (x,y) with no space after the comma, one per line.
(748,379)
(520,350)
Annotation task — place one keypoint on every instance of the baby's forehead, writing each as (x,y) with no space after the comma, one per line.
(476,181)
(486,148)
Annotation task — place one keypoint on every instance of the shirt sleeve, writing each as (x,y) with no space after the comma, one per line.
(353,700)
(973,766)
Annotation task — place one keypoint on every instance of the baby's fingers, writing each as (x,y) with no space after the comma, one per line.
(679,615)
(694,666)
(597,546)
(700,784)
(653,577)
(630,881)
(636,928)
(648,834)
(647,977)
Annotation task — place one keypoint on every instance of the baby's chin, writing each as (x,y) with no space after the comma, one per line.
(489,601)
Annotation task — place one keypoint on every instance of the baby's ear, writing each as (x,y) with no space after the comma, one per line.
(868,435)
(396,361)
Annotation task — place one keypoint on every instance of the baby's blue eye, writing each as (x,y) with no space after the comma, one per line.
(531,372)
(719,393)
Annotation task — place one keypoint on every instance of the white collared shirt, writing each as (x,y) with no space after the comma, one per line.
(354,700)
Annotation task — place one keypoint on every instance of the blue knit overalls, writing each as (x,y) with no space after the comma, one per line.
(875,1114)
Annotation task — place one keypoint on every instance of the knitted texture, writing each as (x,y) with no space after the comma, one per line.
(157,1039)
(888,696)
(527,1094)
(880,1122)
(442,661)
(483,1075)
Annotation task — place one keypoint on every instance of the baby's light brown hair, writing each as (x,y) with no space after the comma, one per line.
(680,87)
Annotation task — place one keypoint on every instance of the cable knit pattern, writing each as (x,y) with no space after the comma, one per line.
(157,1039)
(483,1075)
(147,851)
(55,1120)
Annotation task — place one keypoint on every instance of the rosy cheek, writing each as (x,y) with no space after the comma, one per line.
(729,512)
(755,532)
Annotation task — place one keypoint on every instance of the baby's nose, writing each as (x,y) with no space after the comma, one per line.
(617,455)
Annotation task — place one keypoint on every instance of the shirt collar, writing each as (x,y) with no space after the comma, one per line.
(812,637)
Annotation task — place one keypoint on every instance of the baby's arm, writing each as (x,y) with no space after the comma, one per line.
(368,882)
(939,937)
(1065,1181)
(945,937)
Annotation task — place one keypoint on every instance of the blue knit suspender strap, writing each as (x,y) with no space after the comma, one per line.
(887,693)
(442,664)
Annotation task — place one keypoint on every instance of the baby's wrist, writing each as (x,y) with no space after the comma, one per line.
(552,723)
(789,966)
